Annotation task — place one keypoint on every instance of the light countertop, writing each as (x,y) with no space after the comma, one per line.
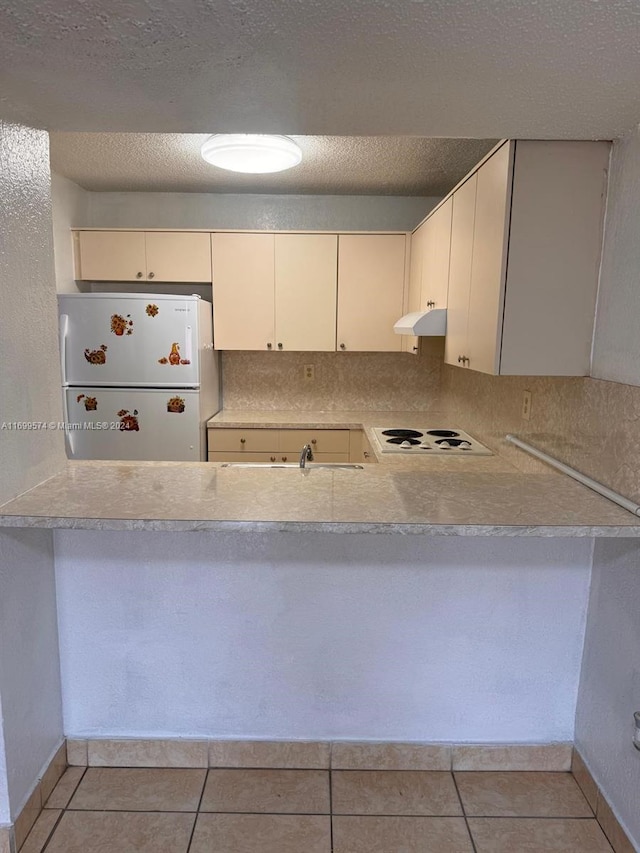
(455,495)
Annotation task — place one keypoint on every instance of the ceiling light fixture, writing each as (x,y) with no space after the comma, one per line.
(251,152)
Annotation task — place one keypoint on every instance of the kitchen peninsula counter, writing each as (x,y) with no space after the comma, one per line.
(456,495)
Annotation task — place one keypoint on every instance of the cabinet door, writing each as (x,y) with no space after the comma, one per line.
(490,243)
(410,342)
(111,255)
(370,291)
(179,256)
(435,263)
(243,289)
(463,216)
(305,291)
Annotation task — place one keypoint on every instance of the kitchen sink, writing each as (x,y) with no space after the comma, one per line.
(310,466)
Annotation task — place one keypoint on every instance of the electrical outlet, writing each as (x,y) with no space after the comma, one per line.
(526,405)
(309,372)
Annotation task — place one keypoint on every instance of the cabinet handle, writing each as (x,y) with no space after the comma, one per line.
(152,275)
(431,304)
(269,345)
(366,454)
(415,349)
(284,458)
(273,458)
(459,359)
(465,359)
(243,440)
(279,346)
(343,346)
(138,275)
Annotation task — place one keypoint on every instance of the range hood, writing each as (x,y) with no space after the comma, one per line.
(432,322)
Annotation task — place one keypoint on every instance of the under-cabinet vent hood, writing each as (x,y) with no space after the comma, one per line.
(432,322)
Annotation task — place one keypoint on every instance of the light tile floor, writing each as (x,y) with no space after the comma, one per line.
(136,810)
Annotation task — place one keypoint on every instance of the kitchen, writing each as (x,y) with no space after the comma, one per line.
(585,409)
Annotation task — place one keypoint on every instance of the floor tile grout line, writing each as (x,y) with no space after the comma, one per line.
(464,813)
(330,802)
(50,835)
(195,820)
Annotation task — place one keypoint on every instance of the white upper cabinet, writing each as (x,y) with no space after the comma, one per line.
(526,261)
(153,256)
(436,255)
(417,240)
(306,274)
(243,291)
(371,285)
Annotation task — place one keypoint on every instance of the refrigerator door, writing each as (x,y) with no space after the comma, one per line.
(129,339)
(133,423)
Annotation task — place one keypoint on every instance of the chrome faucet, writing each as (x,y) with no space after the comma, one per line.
(306,455)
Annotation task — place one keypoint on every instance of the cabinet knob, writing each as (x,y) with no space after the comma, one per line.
(343,346)
(459,359)
(284,458)
(243,440)
(279,346)
(431,304)
(152,275)
(138,275)
(415,349)
(465,359)
(269,345)
(314,441)
(273,458)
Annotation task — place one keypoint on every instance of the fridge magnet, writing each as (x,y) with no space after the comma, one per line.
(128,420)
(176,404)
(90,403)
(174,356)
(96,356)
(152,310)
(121,325)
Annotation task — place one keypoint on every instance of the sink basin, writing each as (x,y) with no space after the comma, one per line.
(308,467)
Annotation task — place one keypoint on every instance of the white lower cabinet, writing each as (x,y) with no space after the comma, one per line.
(253,444)
(525,246)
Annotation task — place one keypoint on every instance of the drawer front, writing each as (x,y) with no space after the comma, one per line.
(321,440)
(330,457)
(230,456)
(243,440)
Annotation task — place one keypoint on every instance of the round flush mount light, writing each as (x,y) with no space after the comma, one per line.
(252,153)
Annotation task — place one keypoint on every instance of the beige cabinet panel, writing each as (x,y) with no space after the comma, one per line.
(243,291)
(110,255)
(305,291)
(321,440)
(243,440)
(488,267)
(179,256)
(234,456)
(153,256)
(463,216)
(437,252)
(371,273)
(410,342)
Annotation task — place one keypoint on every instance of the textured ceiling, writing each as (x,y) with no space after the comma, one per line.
(433,68)
(130,162)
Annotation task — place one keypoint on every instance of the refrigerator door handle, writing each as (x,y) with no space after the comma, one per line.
(188,342)
(68,432)
(64,331)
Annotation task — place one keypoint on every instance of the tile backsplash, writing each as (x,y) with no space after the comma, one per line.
(343,381)
(591,424)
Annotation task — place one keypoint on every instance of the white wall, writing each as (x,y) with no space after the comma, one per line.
(616,349)
(320,636)
(70,207)
(29,664)
(30,378)
(610,681)
(247,211)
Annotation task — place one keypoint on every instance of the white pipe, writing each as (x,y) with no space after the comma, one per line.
(577,475)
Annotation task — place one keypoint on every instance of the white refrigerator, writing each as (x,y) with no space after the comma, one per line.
(140,375)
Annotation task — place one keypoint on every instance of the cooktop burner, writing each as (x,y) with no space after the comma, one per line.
(429,441)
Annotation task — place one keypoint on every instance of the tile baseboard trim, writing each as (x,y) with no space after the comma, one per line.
(316,755)
(30,812)
(594,795)
(7,839)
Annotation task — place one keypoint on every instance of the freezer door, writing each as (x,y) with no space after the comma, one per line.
(133,423)
(129,339)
